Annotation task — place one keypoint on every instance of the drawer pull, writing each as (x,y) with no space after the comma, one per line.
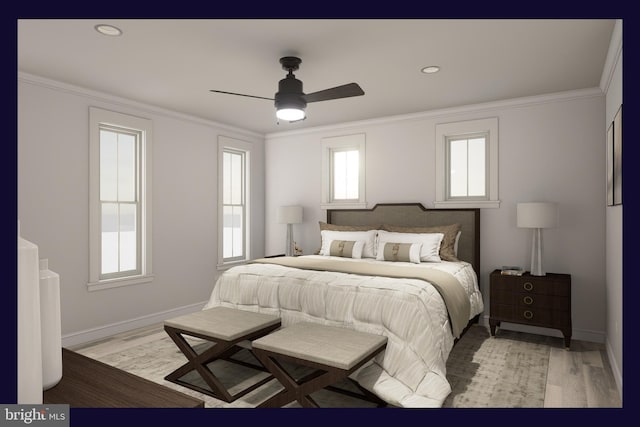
(527,300)
(528,314)
(528,286)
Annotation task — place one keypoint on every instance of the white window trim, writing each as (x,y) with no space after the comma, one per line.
(447,130)
(98,116)
(344,142)
(225,142)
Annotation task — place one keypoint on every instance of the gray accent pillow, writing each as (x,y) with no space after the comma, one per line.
(399,252)
(346,248)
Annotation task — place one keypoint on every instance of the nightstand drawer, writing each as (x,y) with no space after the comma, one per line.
(548,285)
(529,300)
(535,301)
(503,311)
(503,295)
(532,316)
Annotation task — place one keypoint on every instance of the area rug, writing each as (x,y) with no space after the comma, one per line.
(507,371)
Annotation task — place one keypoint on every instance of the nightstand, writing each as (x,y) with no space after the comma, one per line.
(531,300)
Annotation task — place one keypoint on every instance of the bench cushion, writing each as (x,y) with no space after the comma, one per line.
(328,345)
(223,323)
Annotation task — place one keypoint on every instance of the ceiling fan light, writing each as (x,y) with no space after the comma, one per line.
(290,114)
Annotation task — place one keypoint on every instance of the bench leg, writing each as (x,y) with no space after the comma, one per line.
(300,390)
(198,362)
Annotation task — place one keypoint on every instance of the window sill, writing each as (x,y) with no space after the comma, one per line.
(467,204)
(116,283)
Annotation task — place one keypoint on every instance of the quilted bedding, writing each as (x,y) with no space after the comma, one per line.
(411,372)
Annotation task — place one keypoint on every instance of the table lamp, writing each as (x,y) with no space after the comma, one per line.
(537,215)
(290,215)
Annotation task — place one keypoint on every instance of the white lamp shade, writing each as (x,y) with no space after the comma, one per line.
(537,215)
(290,215)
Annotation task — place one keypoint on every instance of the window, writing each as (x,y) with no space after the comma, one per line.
(343,166)
(233,194)
(120,191)
(467,164)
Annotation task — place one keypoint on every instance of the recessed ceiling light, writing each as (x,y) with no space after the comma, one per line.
(430,69)
(108,30)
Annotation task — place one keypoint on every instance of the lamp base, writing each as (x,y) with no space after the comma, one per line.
(289,250)
(538,274)
(536,253)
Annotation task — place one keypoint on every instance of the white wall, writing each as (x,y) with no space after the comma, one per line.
(53,205)
(612,84)
(550,150)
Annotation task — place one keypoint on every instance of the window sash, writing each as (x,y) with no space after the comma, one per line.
(120,243)
(459,161)
(345,172)
(234,209)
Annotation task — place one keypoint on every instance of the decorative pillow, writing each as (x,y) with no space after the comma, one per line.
(368,237)
(455,246)
(448,250)
(430,250)
(334,227)
(346,248)
(405,252)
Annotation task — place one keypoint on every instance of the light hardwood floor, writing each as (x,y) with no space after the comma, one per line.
(578,378)
(581,378)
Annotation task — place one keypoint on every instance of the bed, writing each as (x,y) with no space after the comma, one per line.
(415,282)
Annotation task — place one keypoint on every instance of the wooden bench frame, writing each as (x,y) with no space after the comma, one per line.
(324,376)
(222,349)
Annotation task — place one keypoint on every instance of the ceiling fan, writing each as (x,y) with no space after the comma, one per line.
(290,100)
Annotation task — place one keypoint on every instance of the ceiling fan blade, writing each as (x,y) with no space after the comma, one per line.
(240,94)
(344,91)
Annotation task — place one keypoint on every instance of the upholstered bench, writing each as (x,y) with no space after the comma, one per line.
(333,352)
(228,328)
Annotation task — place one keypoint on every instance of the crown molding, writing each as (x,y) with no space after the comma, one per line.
(116,100)
(487,107)
(614,54)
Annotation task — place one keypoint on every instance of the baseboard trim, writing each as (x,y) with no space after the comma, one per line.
(577,334)
(93,334)
(617,373)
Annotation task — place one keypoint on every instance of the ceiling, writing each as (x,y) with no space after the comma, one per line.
(173,63)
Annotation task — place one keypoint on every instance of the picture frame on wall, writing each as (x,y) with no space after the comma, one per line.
(610,165)
(617,157)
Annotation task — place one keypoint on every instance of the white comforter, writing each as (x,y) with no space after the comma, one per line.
(411,372)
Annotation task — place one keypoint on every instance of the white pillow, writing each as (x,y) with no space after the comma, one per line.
(455,245)
(369,238)
(403,252)
(430,250)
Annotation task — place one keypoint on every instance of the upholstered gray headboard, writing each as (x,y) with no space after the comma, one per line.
(416,215)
